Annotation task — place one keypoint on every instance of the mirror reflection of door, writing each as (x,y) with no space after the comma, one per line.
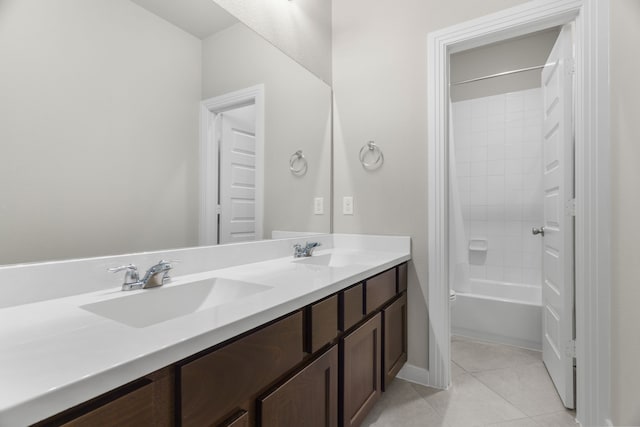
(237,175)
(232,157)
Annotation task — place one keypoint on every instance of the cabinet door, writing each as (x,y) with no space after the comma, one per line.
(219,384)
(309,398)
(239,419)
(394,319)
(362,371)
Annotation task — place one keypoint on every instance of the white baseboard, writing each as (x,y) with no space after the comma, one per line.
(414,374)
(497,338)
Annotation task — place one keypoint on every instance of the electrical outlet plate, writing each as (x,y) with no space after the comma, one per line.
(318,206)
(347,205)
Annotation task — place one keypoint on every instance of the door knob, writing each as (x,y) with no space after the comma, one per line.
(535,231)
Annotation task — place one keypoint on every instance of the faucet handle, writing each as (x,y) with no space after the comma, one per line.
(130,276)
(164,266)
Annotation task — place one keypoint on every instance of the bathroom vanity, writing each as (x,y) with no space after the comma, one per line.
(311,341)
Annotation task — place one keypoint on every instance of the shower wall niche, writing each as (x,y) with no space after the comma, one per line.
(498,160)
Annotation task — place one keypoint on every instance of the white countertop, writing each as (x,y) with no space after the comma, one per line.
(54,354)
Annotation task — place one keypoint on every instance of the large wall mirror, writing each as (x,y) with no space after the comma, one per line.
(125,123)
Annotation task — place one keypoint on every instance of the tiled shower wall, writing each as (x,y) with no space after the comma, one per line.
(498,149)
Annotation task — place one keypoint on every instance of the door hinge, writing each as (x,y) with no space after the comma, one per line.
(570,349)
(218,209)
(572,66)
(571,207)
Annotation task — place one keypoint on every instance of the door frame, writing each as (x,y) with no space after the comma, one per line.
(592,181)
(209,109)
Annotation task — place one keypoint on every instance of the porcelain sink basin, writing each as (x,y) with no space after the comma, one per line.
(151,306)
(334,260)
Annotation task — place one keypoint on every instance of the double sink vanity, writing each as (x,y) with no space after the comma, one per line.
(243,334)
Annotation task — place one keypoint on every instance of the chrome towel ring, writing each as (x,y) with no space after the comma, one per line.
(372,151)
(298,163)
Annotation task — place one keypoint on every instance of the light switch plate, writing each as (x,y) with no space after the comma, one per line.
(318,206)
(347,205)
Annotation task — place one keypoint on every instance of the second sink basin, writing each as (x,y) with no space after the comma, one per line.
(334,260)
(156,305)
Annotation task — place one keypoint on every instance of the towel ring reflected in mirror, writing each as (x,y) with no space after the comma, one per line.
(373,153)
(298,163)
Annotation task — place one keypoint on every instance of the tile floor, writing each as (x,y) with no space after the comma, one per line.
(493,385)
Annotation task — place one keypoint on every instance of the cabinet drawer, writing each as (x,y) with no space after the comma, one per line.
(351,307)
(309,398)
(394,320)
(402,277)
(322,323)
(145,401)
(379,289)
(133,409)
(221,383)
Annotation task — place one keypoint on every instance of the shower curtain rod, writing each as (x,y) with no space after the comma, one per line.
(504,73)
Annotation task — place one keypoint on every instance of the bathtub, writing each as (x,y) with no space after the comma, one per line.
(506,313)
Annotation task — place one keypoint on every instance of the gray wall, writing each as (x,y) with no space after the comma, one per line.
(514,54)
(380,92)
(84,168)
(379,80)
(625,142)
(298,114)
(301,28)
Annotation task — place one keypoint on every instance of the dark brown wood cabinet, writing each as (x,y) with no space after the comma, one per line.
(309,398)
(394,320)
(214,386)
(362,369)
(323,365)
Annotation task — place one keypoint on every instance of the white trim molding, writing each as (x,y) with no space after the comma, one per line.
(209,109)
(592,251)
(414,374)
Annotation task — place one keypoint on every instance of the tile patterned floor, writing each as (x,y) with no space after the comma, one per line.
(493,385)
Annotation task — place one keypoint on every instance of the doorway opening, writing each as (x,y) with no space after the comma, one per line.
(232,167)
(592,184)
(511,234)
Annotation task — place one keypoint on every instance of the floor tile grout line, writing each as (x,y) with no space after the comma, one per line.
(443,416)
(497,395)
(513,403)
(511,421)
(498,369)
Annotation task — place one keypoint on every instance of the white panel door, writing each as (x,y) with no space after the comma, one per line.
(558,258)
(237,218)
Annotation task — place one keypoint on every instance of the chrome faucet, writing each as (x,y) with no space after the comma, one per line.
(300,251)
(151,278)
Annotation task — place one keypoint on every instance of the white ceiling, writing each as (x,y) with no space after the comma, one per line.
(200,18)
